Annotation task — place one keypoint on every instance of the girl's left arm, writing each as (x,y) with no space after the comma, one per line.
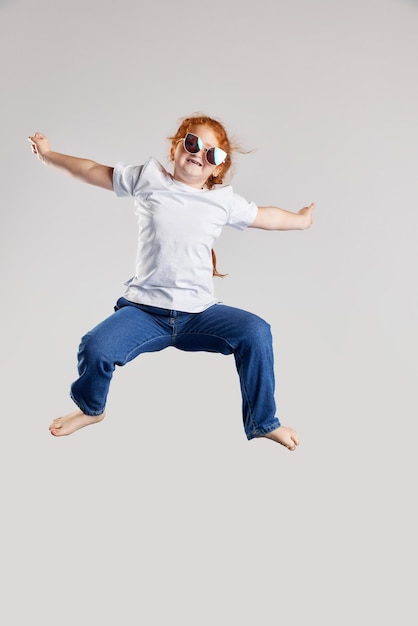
(274,218)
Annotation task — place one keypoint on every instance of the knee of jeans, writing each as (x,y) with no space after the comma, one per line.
(94,349)
(257,330)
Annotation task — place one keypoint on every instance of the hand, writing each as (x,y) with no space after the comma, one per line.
(307,213)
(40,146)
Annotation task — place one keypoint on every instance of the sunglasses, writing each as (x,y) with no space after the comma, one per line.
(193,144)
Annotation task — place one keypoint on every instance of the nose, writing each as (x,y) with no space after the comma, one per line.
(201,151)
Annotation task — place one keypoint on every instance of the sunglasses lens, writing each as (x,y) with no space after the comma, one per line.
(211,156)
(192,143)
(215,156)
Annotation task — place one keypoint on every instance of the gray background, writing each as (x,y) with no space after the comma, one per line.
(164,513)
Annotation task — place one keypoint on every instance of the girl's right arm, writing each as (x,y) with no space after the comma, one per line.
(84,169)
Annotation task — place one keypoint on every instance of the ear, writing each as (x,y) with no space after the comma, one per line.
(173,149)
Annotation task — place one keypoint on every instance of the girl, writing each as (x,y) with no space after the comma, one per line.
(170,300)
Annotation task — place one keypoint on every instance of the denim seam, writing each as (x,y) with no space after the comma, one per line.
(244,391)
(140,345)
(206,335)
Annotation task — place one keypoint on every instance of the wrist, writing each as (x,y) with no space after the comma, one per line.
(55,159)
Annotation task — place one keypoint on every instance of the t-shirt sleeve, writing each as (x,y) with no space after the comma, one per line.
(242,213)
(126,179)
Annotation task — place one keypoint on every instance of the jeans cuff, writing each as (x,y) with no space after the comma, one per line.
(263,430)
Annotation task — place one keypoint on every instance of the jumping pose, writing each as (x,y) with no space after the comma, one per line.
(170,300)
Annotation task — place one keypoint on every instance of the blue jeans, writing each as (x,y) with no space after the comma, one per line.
(135,328)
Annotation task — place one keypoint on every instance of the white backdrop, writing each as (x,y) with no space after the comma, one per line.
(164,513)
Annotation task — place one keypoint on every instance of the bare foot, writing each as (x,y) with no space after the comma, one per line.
(285,436)
(73,421)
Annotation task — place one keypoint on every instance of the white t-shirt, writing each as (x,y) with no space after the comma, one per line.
(177,228)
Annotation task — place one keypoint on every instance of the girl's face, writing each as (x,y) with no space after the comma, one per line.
(193,169)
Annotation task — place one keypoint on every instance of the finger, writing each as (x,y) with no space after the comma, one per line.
(36,136)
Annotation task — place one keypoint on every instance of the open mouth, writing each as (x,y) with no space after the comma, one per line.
(194,162)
